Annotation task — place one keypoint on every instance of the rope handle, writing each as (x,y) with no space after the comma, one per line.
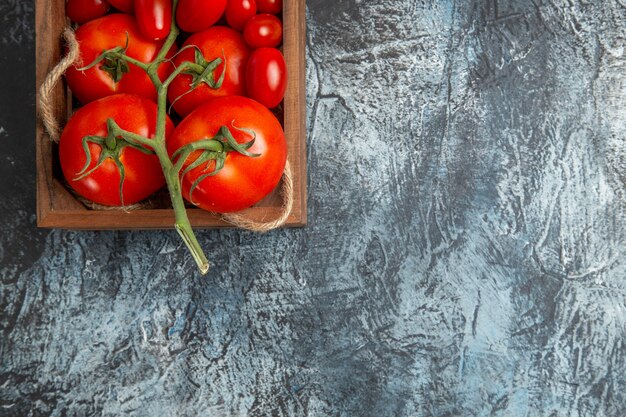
(262,227)
(46,110)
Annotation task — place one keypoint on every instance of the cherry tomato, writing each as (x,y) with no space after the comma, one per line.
(82,11)
(244,180)
(198,15)
(263,30)
(154,18)
(238,12)
(270,6)
(215,42)
(105,33)
(142,171)
(125,6)
(266,76)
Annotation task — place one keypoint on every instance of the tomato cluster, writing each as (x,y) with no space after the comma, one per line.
(224,139)
(257,68)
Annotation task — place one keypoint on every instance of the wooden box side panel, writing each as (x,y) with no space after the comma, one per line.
(58,208)
(49,21)
(294,49)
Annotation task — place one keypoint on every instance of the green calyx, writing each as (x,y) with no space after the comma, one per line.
(115,62)
(207,75)
(111,147)
(115,67)
(202,72)
(213,157)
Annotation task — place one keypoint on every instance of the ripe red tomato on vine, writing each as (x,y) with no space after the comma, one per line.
(99,180)
(214,43)
(243,180)
(115,75)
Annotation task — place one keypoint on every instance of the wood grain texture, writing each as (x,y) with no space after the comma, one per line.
(58,208)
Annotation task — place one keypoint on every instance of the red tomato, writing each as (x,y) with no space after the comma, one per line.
(143,173)
(198,15)
(244,180)
(215,42)
(238,12)
(270,6)
(154,18)
(81,11)
(105,33)
(124,5)
(266,76)
(263,30)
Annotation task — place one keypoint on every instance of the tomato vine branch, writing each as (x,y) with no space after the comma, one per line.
(115,62)
(182,224)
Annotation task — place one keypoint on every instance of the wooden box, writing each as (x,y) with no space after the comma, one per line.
(57,207)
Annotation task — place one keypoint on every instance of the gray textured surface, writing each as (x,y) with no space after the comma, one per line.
(464,257)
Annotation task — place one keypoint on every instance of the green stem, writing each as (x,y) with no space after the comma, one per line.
(158,144)
(171,174)
(133,61)
(179,70)
(167,45)
(116,131)
(183,226)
